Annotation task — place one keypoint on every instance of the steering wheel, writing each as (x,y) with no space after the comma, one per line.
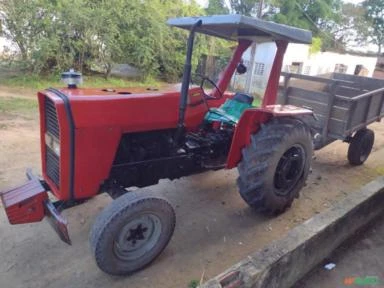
(210,81)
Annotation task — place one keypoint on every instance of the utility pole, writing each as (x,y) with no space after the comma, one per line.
(248,81)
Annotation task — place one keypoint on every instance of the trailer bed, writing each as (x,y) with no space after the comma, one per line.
(342,103)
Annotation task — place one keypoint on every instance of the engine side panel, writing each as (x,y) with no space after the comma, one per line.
(100,120)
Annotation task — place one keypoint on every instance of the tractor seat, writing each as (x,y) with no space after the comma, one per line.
(231,111)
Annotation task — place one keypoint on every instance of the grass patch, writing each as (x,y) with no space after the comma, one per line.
(38,82)
(193,284)
(21,106)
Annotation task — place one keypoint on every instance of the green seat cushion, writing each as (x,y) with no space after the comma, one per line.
(230,112)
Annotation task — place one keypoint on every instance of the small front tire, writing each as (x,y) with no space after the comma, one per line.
(131,232)
(360,146)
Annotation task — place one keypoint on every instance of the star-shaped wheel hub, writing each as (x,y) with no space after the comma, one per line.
(137,234)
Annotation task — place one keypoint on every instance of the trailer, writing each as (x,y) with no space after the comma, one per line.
(343,106)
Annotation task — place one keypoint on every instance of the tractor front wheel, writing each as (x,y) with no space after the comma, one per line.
(131,232)
(275,166)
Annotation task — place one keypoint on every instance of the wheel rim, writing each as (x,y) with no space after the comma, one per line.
(365,149)
(137,237)
(289,169)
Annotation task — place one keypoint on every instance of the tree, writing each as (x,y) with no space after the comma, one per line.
(317,16)
(244,7)
(216,7)
(53,36)
(375,16)
(352,28)
(20,19)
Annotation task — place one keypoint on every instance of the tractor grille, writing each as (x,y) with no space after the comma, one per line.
(51,123)
(52,127)
(52,165)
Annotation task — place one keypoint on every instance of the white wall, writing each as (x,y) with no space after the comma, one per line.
(312,64)
(324,62)
(265,54)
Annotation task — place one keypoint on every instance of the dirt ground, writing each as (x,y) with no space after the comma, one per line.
(215,228)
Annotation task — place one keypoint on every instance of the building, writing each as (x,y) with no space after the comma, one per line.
(298,59)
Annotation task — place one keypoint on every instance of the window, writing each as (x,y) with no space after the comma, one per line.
(296,67)
(307,70)
(259,68)
(341,68)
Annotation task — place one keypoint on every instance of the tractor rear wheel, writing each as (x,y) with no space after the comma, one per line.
(276,164)
(360,146)
(131,232)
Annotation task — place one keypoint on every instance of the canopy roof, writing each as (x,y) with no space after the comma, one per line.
(235,27)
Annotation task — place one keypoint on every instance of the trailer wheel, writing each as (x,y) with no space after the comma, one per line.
(360,146)
(131,232)
(275,166)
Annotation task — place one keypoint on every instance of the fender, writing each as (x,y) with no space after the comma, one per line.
(250,123)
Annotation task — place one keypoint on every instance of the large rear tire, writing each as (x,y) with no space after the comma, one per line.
(275,166)
(360,146)
(131,232)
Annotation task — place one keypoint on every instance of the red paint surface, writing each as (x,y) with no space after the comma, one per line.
(249,124)
(270,94)
(24,204)
(100,120)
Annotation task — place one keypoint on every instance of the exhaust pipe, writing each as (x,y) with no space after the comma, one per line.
(185,83)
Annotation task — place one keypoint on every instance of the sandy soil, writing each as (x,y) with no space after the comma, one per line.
(215,228)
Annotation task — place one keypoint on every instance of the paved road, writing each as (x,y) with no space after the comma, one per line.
(359,263)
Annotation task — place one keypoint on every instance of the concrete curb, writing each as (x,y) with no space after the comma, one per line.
(285,261)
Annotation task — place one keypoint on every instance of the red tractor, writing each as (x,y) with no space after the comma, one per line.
(107,140)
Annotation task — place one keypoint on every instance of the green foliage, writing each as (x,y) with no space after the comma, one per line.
(374,14)
(21,106)
(352,27)
(316,45)
(317,16)
(193,284)
(56,35)
(38,82)
(216,7)
(244,7)
(305,14)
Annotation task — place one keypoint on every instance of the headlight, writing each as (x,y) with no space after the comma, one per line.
(52,143)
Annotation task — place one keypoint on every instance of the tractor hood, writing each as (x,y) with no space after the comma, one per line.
(130,92)
(236,27)
(129,109)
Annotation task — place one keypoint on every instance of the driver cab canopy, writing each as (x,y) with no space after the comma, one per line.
(236,27)
(239,28)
